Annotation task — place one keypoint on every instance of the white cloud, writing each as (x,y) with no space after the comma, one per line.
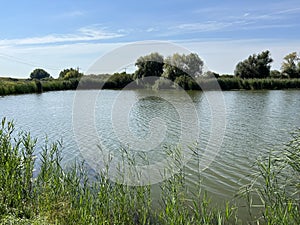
(207,26)
(254,15)
(151,29)
(202,27)
(186,28)
(220,56)
(269,14)
(91,33)
(288,11)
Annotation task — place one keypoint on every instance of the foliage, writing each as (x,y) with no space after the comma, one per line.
(177,65)
(18,86)
(187,82)
(39,74)
(211,74)
(276,185)
(118,81)
(149,65)
(258,83)
(256,66)
(57,85)
(70,73)
(67,196)
(275,74)
(163,83)
(230,83)
(14,86)
(291,65)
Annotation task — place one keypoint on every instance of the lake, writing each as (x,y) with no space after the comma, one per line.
(256,122)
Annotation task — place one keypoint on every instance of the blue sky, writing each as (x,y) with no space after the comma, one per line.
(59,34)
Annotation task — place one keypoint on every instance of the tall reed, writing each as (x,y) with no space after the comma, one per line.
(56,195)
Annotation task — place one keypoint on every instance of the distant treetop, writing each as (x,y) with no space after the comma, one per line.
(256,66)
(70,73)
(39,74)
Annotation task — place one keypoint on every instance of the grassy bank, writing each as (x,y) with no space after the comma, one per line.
(9,86)
(258,84)
(68,196)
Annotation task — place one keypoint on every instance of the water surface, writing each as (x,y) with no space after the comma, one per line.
(256,121)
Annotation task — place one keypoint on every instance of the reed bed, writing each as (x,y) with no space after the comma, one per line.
(47,193)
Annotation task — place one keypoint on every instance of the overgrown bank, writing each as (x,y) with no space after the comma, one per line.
(158,72)
(10,86)
(68,196)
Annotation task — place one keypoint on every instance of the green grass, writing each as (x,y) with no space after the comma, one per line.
(57,195)
(14,86)
(236,83)
(9,86)
(276,185)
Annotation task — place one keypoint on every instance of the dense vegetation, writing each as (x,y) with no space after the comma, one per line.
(119,81)
(67,74)
(39,74)
(22,86)
(53,195)
(256,66)
(156,72)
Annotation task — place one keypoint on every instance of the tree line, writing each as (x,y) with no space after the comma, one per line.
(178,66)
(258,66)
(65,74)
(158,72)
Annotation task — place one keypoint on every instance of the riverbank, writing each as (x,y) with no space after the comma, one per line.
(11,86)
(68,196)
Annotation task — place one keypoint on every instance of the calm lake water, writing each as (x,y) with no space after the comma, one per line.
(256,121)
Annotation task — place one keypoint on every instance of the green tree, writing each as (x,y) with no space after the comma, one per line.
(256,66)
(186,82)
(149,65)
(177,65)
(118,80)
(275,74)
(67,74)
(211,74)
(291,65)
(39,74)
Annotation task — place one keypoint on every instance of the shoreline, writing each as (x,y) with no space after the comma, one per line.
(13,86)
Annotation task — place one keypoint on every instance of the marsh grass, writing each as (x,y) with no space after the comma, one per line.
(235,83)
(57,195)
(9,86)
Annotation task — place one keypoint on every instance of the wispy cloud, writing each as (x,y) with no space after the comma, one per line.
(282,11)
(254,13)
(151,29)
(197,27)
(271,26)
(91,33)
(288,11)
(203,27)
(208,26)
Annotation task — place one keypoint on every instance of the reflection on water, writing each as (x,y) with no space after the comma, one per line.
(256,121)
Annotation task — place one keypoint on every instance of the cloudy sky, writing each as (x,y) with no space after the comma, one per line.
(60,34)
